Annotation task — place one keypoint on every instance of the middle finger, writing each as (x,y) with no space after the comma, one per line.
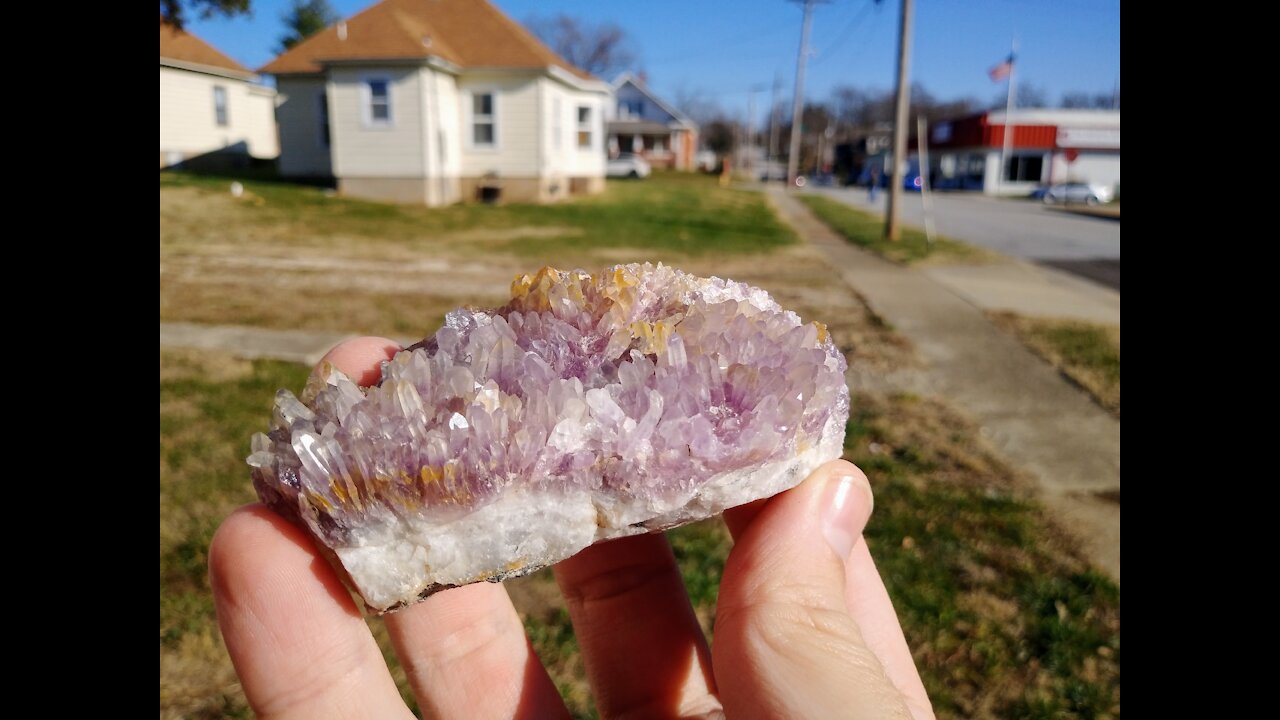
(643,649)
(466,655)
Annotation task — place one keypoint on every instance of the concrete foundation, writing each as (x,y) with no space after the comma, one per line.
(434,192)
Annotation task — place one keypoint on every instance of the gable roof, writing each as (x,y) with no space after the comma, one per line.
(467,33)
(628,77)
(184,47)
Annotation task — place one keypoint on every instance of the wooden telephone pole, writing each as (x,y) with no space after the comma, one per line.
(900,128)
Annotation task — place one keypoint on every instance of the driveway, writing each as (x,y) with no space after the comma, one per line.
(1088,247)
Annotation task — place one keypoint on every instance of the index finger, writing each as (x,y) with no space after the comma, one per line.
(464,650)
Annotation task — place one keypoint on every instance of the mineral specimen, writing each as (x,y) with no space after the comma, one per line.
(587,408)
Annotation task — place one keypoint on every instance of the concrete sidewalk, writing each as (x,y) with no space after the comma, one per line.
(1027,289)
(1039,421)
(300,346)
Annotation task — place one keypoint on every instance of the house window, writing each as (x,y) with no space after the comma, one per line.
(483,127)
(322,110)
(557,124)
(220,105)
(634,108)
(377,102)
(584,127)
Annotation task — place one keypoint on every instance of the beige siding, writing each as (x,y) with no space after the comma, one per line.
(303,152)
(569,159)
(517,108)
(444,154)
(557,140)
(361,150)
(188,124)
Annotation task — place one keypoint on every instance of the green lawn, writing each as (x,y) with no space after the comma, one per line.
(1004,619)
(867,230)
(675,214)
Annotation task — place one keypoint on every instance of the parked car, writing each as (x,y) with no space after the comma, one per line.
(627,165)
(913,182)
(822,179)
(1074,193)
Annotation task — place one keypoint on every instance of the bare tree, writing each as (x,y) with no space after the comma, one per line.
(854,108)
(850,105)
(1027,95)
(697,104)
(720,135)
(1097,101)
(603,50)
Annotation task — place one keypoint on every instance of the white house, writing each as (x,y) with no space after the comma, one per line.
(436,101)
(638,121)
(209,103)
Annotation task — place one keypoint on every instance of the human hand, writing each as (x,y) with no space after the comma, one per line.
(804,627)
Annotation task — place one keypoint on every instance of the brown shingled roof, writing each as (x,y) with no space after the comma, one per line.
(182,46)
(468,33)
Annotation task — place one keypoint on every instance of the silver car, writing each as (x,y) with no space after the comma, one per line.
(627,165)
(1078,193)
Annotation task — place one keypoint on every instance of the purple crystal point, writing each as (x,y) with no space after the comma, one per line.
(587,408)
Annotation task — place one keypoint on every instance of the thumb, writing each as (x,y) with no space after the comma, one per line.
(785,644)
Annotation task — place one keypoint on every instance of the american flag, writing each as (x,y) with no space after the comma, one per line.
(1003,70)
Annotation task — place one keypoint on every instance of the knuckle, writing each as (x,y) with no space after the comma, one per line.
(616,583)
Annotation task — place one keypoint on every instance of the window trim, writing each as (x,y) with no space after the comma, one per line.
(367,121)
(221,112)
(589,128)
(492,92)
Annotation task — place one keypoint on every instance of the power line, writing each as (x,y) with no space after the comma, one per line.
(847,31)
(752,36)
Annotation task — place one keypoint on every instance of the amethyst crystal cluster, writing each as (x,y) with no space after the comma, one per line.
(587,408)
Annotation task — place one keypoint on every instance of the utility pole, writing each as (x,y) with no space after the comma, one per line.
(797,106)
(900,129)
(751,129)
(773,119)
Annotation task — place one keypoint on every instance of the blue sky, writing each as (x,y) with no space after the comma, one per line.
(720,50)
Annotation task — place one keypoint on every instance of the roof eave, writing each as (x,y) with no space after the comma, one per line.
(323,64)
(247,75)
(587,84)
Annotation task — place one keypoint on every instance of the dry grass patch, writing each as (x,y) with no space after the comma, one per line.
(1087,353)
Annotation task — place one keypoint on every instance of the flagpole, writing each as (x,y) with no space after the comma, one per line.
(1008,113)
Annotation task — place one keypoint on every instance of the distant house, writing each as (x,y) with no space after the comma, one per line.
(210,104)
(435,101)
(641,122)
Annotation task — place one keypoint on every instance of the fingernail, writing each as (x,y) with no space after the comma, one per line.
(847,507)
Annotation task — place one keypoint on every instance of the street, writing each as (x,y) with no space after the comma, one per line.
(1084,246)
